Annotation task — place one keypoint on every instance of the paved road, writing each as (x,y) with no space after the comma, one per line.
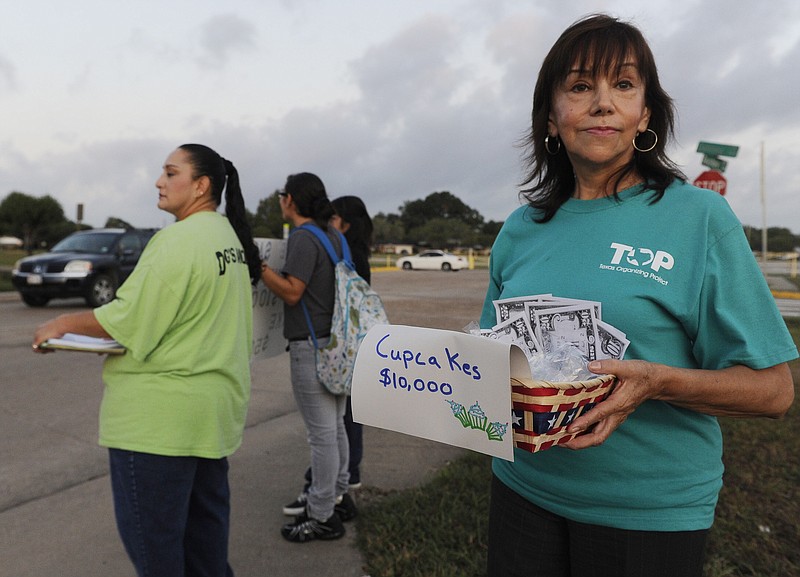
(778,267)
(55,503)
(789,307)
(787,295)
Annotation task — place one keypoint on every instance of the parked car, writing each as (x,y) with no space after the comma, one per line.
(432,260)
(89,264)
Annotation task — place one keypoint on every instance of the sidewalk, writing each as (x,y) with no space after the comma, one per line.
(782,288)
(70,530)
(56,512)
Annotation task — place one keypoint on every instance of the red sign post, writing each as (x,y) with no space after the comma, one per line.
(712,180)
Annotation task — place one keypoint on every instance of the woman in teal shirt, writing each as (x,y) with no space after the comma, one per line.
(610,218)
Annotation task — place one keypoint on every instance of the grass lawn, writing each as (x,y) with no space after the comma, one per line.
(9,256)
(439,529)
(7,259)
(757,531)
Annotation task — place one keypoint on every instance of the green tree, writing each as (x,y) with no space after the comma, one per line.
(440,220)
(268,221)
(443,233)
(114,222)
(781,240)
(35,220)
(778,239)
(488,232)
(387,228)
(444,205)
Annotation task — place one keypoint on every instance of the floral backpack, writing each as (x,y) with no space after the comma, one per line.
(356,309)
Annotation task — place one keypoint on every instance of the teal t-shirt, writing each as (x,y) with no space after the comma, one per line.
(185,317)
(677,277)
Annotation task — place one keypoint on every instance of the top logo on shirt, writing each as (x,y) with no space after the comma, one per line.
(642,261)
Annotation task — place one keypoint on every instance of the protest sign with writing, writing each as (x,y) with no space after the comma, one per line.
(441,385)
(268,338)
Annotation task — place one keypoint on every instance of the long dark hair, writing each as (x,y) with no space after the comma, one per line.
(309,197)
(224,176)
(352,210)
(600,43)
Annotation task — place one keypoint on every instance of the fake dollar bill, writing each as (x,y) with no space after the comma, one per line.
(515,331)
(571,325)
(514,307)
(612,342)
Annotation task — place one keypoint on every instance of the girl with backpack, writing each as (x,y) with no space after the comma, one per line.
(308,274)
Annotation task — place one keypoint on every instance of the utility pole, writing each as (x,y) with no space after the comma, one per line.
(763,209)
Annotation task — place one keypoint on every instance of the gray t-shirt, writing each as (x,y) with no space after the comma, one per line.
(307,260)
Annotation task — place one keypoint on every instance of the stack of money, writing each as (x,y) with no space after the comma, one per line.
(540,324)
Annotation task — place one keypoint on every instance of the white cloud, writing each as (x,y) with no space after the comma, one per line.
(7,74)
(223,37)
(389,101)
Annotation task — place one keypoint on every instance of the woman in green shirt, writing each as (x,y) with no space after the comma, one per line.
(174,404)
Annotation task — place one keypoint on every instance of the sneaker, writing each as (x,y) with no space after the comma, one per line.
(345,508)
(305,528)
(296,507)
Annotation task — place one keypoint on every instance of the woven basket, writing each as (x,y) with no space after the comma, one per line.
(544,409)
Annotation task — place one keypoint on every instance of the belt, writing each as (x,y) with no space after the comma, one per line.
(305,338)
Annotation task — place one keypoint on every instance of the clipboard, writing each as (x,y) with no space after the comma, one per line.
(84,344)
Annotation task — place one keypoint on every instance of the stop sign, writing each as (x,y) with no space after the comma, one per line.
(712,180)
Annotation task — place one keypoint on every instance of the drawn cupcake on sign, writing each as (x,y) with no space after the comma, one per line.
(459,412)
(477,417)
(495,431)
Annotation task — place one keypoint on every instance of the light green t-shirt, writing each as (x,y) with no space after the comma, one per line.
(677,277)
(185,317)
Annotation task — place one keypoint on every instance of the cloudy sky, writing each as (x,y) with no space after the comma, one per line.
(387,100)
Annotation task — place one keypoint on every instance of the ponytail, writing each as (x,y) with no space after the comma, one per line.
(237,216)
(223,175)
(309,196)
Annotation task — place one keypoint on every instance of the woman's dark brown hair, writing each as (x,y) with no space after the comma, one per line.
(599,43)
(309,196)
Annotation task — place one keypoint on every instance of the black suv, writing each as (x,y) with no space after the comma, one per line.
(89,264)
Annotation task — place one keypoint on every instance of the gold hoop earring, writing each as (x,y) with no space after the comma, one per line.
(652,146)
(547,145)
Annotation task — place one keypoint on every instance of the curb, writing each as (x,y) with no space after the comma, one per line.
(9,296)
(786,295)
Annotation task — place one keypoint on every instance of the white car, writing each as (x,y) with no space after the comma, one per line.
(432,260)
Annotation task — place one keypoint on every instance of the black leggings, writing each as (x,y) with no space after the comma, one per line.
(525,540)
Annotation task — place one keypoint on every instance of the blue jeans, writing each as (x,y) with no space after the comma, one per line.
(323,415)
(172,513)
(355,438)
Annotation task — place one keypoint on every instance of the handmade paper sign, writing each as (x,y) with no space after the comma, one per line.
(268,338)
(441,385)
